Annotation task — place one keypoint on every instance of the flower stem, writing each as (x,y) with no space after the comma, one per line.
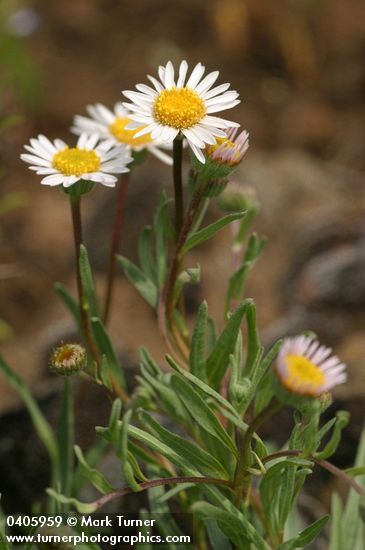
(77,231)
(115,245)
(66,437)
(178,187)
(177,262)
(244,458)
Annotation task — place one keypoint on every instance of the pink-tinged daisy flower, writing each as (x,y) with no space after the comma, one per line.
(112,124)
(306,368)
(89,160)
(229,150)
(182,106)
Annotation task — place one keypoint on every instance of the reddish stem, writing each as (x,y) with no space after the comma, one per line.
(115,245)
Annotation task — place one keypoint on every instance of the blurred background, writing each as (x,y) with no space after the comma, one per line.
(299,67)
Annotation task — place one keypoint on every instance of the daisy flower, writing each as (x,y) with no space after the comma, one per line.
(89,161)
(306,368)
(112,125)
(171,107)
(229,150)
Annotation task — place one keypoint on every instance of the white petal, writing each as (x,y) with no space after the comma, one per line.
(146,90)
(195,76)
(37,161)
(215,91)
(193,137)
(169,76)
(182,74)
(207,82)
(55,179)
(155,82)
(222,106)
(198,153)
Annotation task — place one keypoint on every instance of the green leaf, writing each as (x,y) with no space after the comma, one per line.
(162,229)
(197,349)
(42,427)
(210,230)
(87,282)
(236,527)
(94,476)
(167,397)
(145,254)
(122,452)
(106,348)
(218,359)
(342,419)
(305,537)
(70,303)
(336,523)
(140,281)
(217,538)
(201,385)
(160,447)
(351,522)
(81,507)
(201,412)
(200,459)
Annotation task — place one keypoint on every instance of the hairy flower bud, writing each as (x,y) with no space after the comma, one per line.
(68,359)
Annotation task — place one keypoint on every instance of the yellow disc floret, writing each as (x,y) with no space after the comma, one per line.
(303,373)
(76,162)
(179,108)
(119,131)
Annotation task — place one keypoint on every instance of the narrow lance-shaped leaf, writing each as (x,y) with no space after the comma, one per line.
(218,360)
(305,537)
(210,230)
(139,280)
(198,457)
(122,452)
(145,245)
(94,476)
(162,230)
(236,527)
(81,507)
(41,425)
(106,348)
(201,412)
(197,349)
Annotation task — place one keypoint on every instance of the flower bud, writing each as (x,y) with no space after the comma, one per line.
(68,359)
(236,197)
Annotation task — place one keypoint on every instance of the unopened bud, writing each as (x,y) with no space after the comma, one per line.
(236,197)
(68,359)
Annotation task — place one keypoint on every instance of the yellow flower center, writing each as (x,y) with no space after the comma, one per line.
(302,372)
(227,144)
(179,108)
(118,129)
(75,161)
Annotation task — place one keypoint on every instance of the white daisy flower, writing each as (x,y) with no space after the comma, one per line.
(306,368)
(182,106)
(229,150)
(112,125)
(89,161)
